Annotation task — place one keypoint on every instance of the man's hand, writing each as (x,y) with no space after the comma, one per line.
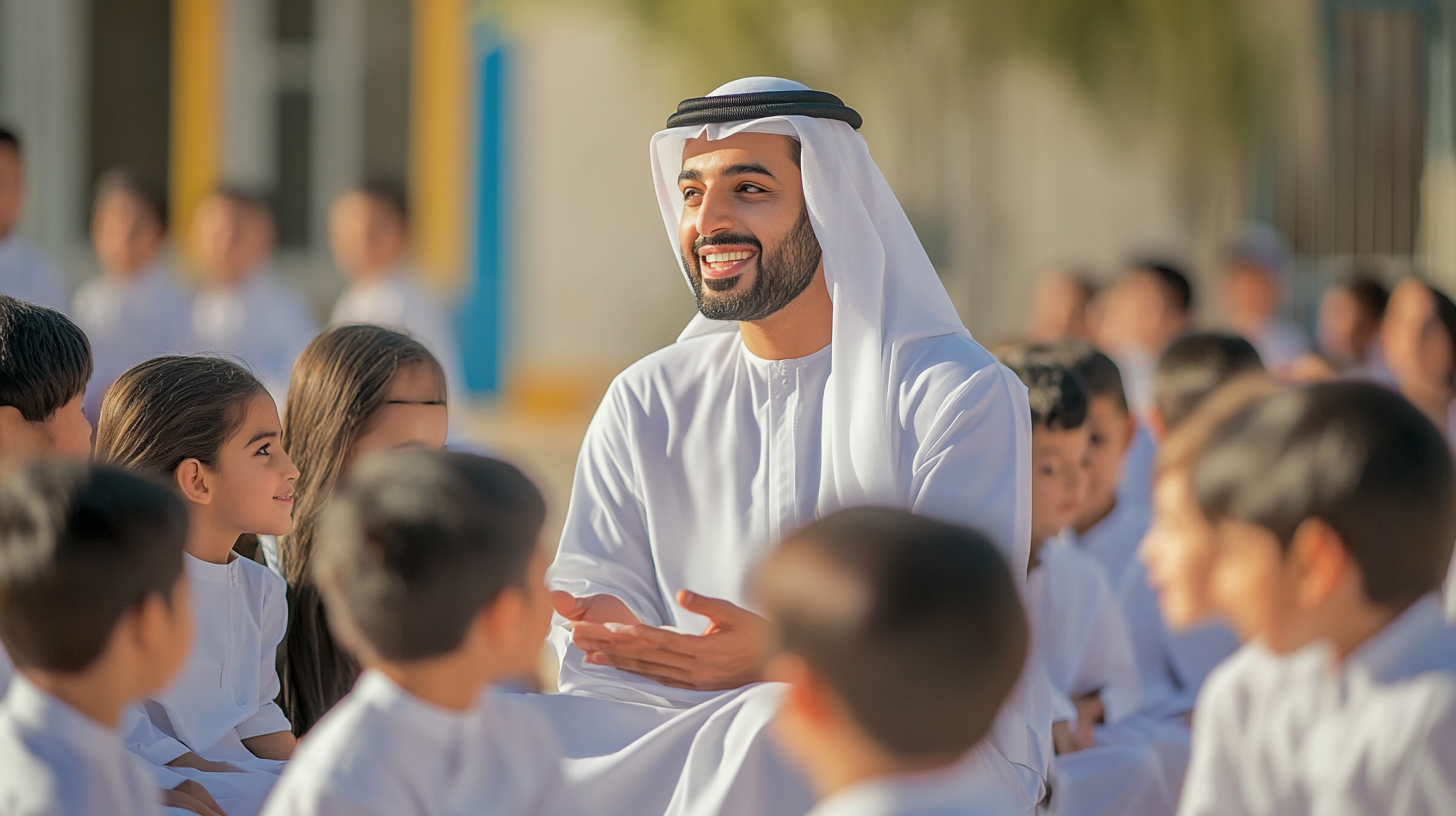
(197,763)
(730,653)
(592,608)
(191,796)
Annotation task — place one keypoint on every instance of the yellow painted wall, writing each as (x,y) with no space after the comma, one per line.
(197,91)
(439,111)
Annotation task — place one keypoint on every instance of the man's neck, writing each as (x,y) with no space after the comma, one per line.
(92,692)
(799,329)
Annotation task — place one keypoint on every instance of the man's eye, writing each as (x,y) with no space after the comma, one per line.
(687,194)
(750,188)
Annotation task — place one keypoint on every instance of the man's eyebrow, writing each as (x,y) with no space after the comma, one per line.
(689,175)
(259,436)
(749,168)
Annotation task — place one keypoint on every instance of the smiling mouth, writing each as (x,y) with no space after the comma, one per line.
(722,263)
(287,497)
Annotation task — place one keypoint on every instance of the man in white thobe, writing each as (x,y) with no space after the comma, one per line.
(827,369)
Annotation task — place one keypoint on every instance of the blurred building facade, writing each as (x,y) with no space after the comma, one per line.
(526,154)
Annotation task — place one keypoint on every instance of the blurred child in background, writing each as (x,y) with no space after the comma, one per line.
(1333,517)
(135,311)
(1349,328)
(1059,306)
(1149,305)
(1255,283)
(242,310)
(1419,340)
(877,712)
(25,271)
(369,234)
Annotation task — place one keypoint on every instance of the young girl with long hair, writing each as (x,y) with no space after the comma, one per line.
(207,427)
(355,389)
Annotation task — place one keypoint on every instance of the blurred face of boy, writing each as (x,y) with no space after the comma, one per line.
(1139,315)
(12,189)
(229,239)
(1111,429)
(1058,470)
(125,234)
(1251,585)
(1251,295)
(1180,552)
(367,240)
(1417,346)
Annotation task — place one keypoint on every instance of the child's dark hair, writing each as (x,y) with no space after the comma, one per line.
(81,545)
(167,410)
(1172,280)
(1194,366)
(1100,374)
(341,380)
(1354,455)
(389,194)
(9,138)
(1058,394)
(45,359)
(133,183)
(915,623)
(416,544)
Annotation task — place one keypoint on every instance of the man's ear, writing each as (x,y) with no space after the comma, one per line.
(195,482)
(1323,563)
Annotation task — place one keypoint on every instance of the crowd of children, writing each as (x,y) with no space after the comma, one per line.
(225,609)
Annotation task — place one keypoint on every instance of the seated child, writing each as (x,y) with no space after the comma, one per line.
(135,311)
(1171,666)
(242,310)
(1334,521)
(1077,628)
(433,571)
(45,363)
(878,712)
(1108,527)
(208,427)
(106,546)
(355,389)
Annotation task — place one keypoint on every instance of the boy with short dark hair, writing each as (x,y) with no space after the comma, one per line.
(45,363)
(878,711)
(432,572)
(106,546)
(1334,519)
(1193,367)
(1081,640)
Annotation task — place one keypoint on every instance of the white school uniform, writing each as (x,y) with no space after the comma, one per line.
(261,322)
(56,761)
(224,694)
(1083,645)
(954,791)
(130,321)
(1171,665)
(383,751)
(395,301)
(1113,541)
(1304,734)
(26,273)
(1138,463)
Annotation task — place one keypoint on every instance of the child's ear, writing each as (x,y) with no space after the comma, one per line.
(808,696)
(503,622)
(194,481)
(1323,563)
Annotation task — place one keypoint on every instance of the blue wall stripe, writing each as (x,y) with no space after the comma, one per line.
(483,327)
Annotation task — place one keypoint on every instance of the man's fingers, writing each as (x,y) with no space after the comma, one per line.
(566,605)
(714,609)
(668,675)
(633,639)
(637,650)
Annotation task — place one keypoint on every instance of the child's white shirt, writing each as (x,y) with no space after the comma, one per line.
(1113,541)
(1172,666)
(1078,629)
(56,761)
(954,791)
(129,322)
(384,751)
(260,321)
(1301,734)
(27,273)
(225,692)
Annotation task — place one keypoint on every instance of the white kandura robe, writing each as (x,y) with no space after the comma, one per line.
(1083,644)
(56,761)
(395,301)
(260,322)
(1303,734)
(1113,541)
(28,274)
(225,692)
(130,321)
(384,751)
(955,791)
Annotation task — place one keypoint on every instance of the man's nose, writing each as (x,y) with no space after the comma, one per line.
(715,213)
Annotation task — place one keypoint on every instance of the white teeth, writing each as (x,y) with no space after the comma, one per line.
(726,257)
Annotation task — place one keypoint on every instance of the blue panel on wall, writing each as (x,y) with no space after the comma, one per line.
(482,317)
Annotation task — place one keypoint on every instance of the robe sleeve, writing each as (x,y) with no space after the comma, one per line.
(1109,656)
(269,718)
(605,547)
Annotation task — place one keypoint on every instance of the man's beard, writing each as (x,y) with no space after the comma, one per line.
(782,275)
